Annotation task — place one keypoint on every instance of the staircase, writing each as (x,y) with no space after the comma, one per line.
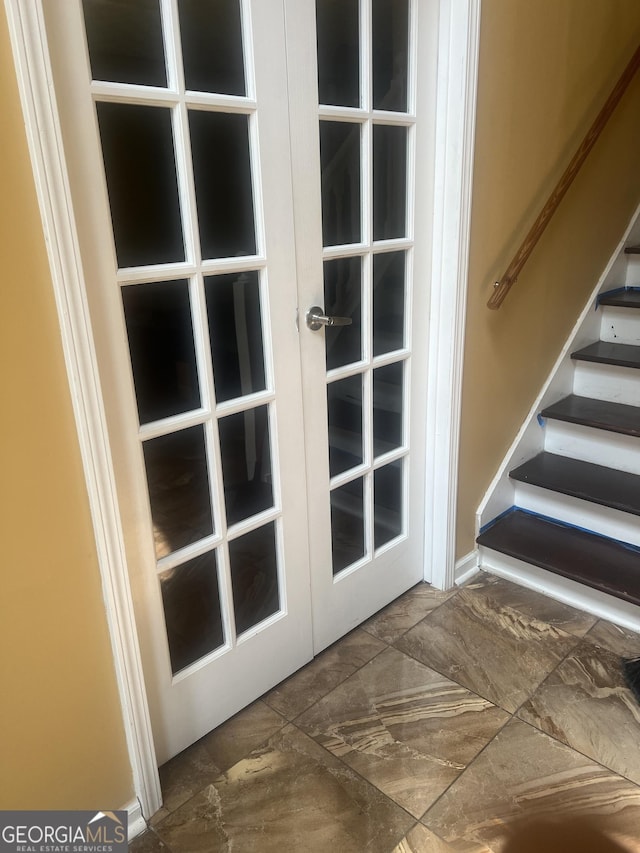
(576,512)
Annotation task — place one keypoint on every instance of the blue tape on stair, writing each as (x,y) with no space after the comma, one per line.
(559,523)
(497,518)
(615,292)
(542,421)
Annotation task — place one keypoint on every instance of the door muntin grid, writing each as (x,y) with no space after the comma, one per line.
(194,287)
(367,129)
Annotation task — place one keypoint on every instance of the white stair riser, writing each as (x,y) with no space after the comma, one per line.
(620,325)
(607,382)
(632,278)
(593,445)
(570,592)
(579,513)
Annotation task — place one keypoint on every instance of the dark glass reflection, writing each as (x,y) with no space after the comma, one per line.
(387,408)
(235,333)
(390,52)
(137,146)
(387,503)
(211,36)
(389,182)
(340,165)
(254,576)
(338,26)
(343,298)
(192,611)
(163,358)
(344,407)
(222,172)
(388,302)
(178,483)
(246,463)
(125,41)
(347,525)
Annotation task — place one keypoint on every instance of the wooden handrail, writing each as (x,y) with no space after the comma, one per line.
(502,287)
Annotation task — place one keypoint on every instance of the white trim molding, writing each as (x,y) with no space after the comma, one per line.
(136,824)
(467,567)
(28,39)
(458,50)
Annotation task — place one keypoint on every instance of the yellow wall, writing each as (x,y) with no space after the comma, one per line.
(63,742)
(546,67)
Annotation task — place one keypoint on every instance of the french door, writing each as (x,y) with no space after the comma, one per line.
(244,176)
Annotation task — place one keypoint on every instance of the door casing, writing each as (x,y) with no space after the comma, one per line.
(458,40)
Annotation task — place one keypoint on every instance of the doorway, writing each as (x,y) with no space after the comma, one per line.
(450,27)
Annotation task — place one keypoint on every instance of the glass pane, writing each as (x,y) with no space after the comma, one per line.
(342,298)
(211,36)
(222,171)
(387,503)
(192,613)
(338,52)
(163,357)
(235,333)
(254,576)
(178,489)
(344,406)
(246,463)
(389,182)
(388,302)
(347,525)
(137,146)
(340,164)
(390,37)
(387,408)
(125,41)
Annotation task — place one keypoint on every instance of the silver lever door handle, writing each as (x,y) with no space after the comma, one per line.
(316,319)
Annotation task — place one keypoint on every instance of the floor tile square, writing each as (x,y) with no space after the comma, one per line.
(493,650)
(422,840)
(396,619)
(621,641)
(524,774)
(187,773)
(503,593)
(407,729)
(289,795)
(586,704)
(325,672)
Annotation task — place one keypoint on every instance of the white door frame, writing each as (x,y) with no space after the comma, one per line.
(459,29)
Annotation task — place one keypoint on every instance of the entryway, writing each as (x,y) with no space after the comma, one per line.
(49,48)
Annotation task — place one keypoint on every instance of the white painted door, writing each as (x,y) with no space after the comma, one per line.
(270,476)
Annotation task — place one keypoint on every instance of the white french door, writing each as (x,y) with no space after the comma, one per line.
(227,179)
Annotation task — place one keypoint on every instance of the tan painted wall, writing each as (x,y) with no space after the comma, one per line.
(546,67)
(63,741)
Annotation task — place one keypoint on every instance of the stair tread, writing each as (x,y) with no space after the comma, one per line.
(601,414)
(605,352)
(622,299)
(595,483)
(590,559)
(632,250)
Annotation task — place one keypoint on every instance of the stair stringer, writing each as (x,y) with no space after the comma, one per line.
(500,496)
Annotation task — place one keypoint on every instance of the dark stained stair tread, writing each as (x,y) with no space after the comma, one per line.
(595,483)
(604,352)
(632,250)
(614,417)
(587,558)
(622,299)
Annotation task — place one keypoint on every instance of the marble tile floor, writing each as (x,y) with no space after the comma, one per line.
(490,718)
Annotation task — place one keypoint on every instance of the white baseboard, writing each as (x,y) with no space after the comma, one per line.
(466,567)
(562,589)
(137,823)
